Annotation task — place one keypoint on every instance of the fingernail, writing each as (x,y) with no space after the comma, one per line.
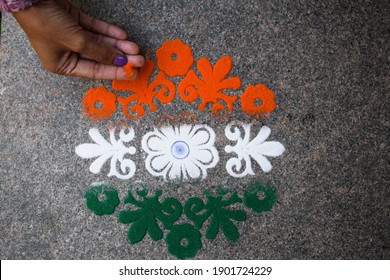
(120,60)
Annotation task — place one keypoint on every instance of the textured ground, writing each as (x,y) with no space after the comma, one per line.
(328,63)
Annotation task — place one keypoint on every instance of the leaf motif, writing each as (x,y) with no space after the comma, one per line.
(215,208)
(137,230)
(192,207)
(91,150)
(150,209)
(154,230)
(210,87)
(174,210)
(127,217)
(246,149)
(229,229)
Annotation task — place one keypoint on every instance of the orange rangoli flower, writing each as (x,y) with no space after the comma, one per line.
(144,92)
(174,57)
(259,93)
(99,103)
(211,87)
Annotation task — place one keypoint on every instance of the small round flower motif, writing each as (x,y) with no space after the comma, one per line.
(99,103)
(102,199)
(174,57)
(263,95)
(184,241)
(180,152)
(260,198)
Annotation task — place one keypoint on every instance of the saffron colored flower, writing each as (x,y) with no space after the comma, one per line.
(174,57)
(99,103)
(254,93)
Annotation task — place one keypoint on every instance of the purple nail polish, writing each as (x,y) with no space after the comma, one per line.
(120,60)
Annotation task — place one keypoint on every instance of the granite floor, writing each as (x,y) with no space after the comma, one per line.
(328,64)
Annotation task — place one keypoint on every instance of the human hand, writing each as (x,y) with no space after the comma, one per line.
(69,42)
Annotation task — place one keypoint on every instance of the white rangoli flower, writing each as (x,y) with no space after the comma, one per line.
(183,151)
(245,149)
(104,150)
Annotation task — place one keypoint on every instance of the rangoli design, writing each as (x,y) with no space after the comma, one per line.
(151,217)
(182,152)
(246,149)
(104,150)
(175,59)
(180,149)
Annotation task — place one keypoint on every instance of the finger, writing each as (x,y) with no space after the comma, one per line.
(90,69)
(137,61)
(85,44)
(101,27)
(125,46)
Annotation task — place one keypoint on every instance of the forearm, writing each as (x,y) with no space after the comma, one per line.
(12,6)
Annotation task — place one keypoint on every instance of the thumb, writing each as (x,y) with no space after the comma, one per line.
(90,47)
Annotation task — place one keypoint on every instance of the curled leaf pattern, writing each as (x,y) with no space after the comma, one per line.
(103,150)
(221,216)
(144,91)
(149,209)
(246,149)
(211,85)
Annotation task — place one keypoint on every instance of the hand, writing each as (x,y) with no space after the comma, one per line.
(69,42)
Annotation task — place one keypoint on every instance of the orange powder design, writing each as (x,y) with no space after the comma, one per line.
(144,92)
(174,58)
(258,92)
(129,70)
(211,87)
(99,103)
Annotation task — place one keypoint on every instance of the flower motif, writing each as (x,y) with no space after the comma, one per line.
(174,57)
(99,103)
(260,197)
(211,87)
(101,199)
(183,151)
(104,150)
(245,149)
(143,92)
(184,241)
(258,92)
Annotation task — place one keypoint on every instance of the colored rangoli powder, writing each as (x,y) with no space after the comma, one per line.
(144,91)
(261,93)
(129,70)
(174,58)
(99,103)
(210,85)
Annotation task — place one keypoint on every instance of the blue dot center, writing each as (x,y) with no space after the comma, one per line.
(180,149)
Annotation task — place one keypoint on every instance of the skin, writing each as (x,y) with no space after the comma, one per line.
(69,42)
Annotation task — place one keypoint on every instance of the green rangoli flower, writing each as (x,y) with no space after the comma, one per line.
(184,241)
(260,197)
(102,199)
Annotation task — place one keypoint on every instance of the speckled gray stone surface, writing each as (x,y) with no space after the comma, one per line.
(328,63)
